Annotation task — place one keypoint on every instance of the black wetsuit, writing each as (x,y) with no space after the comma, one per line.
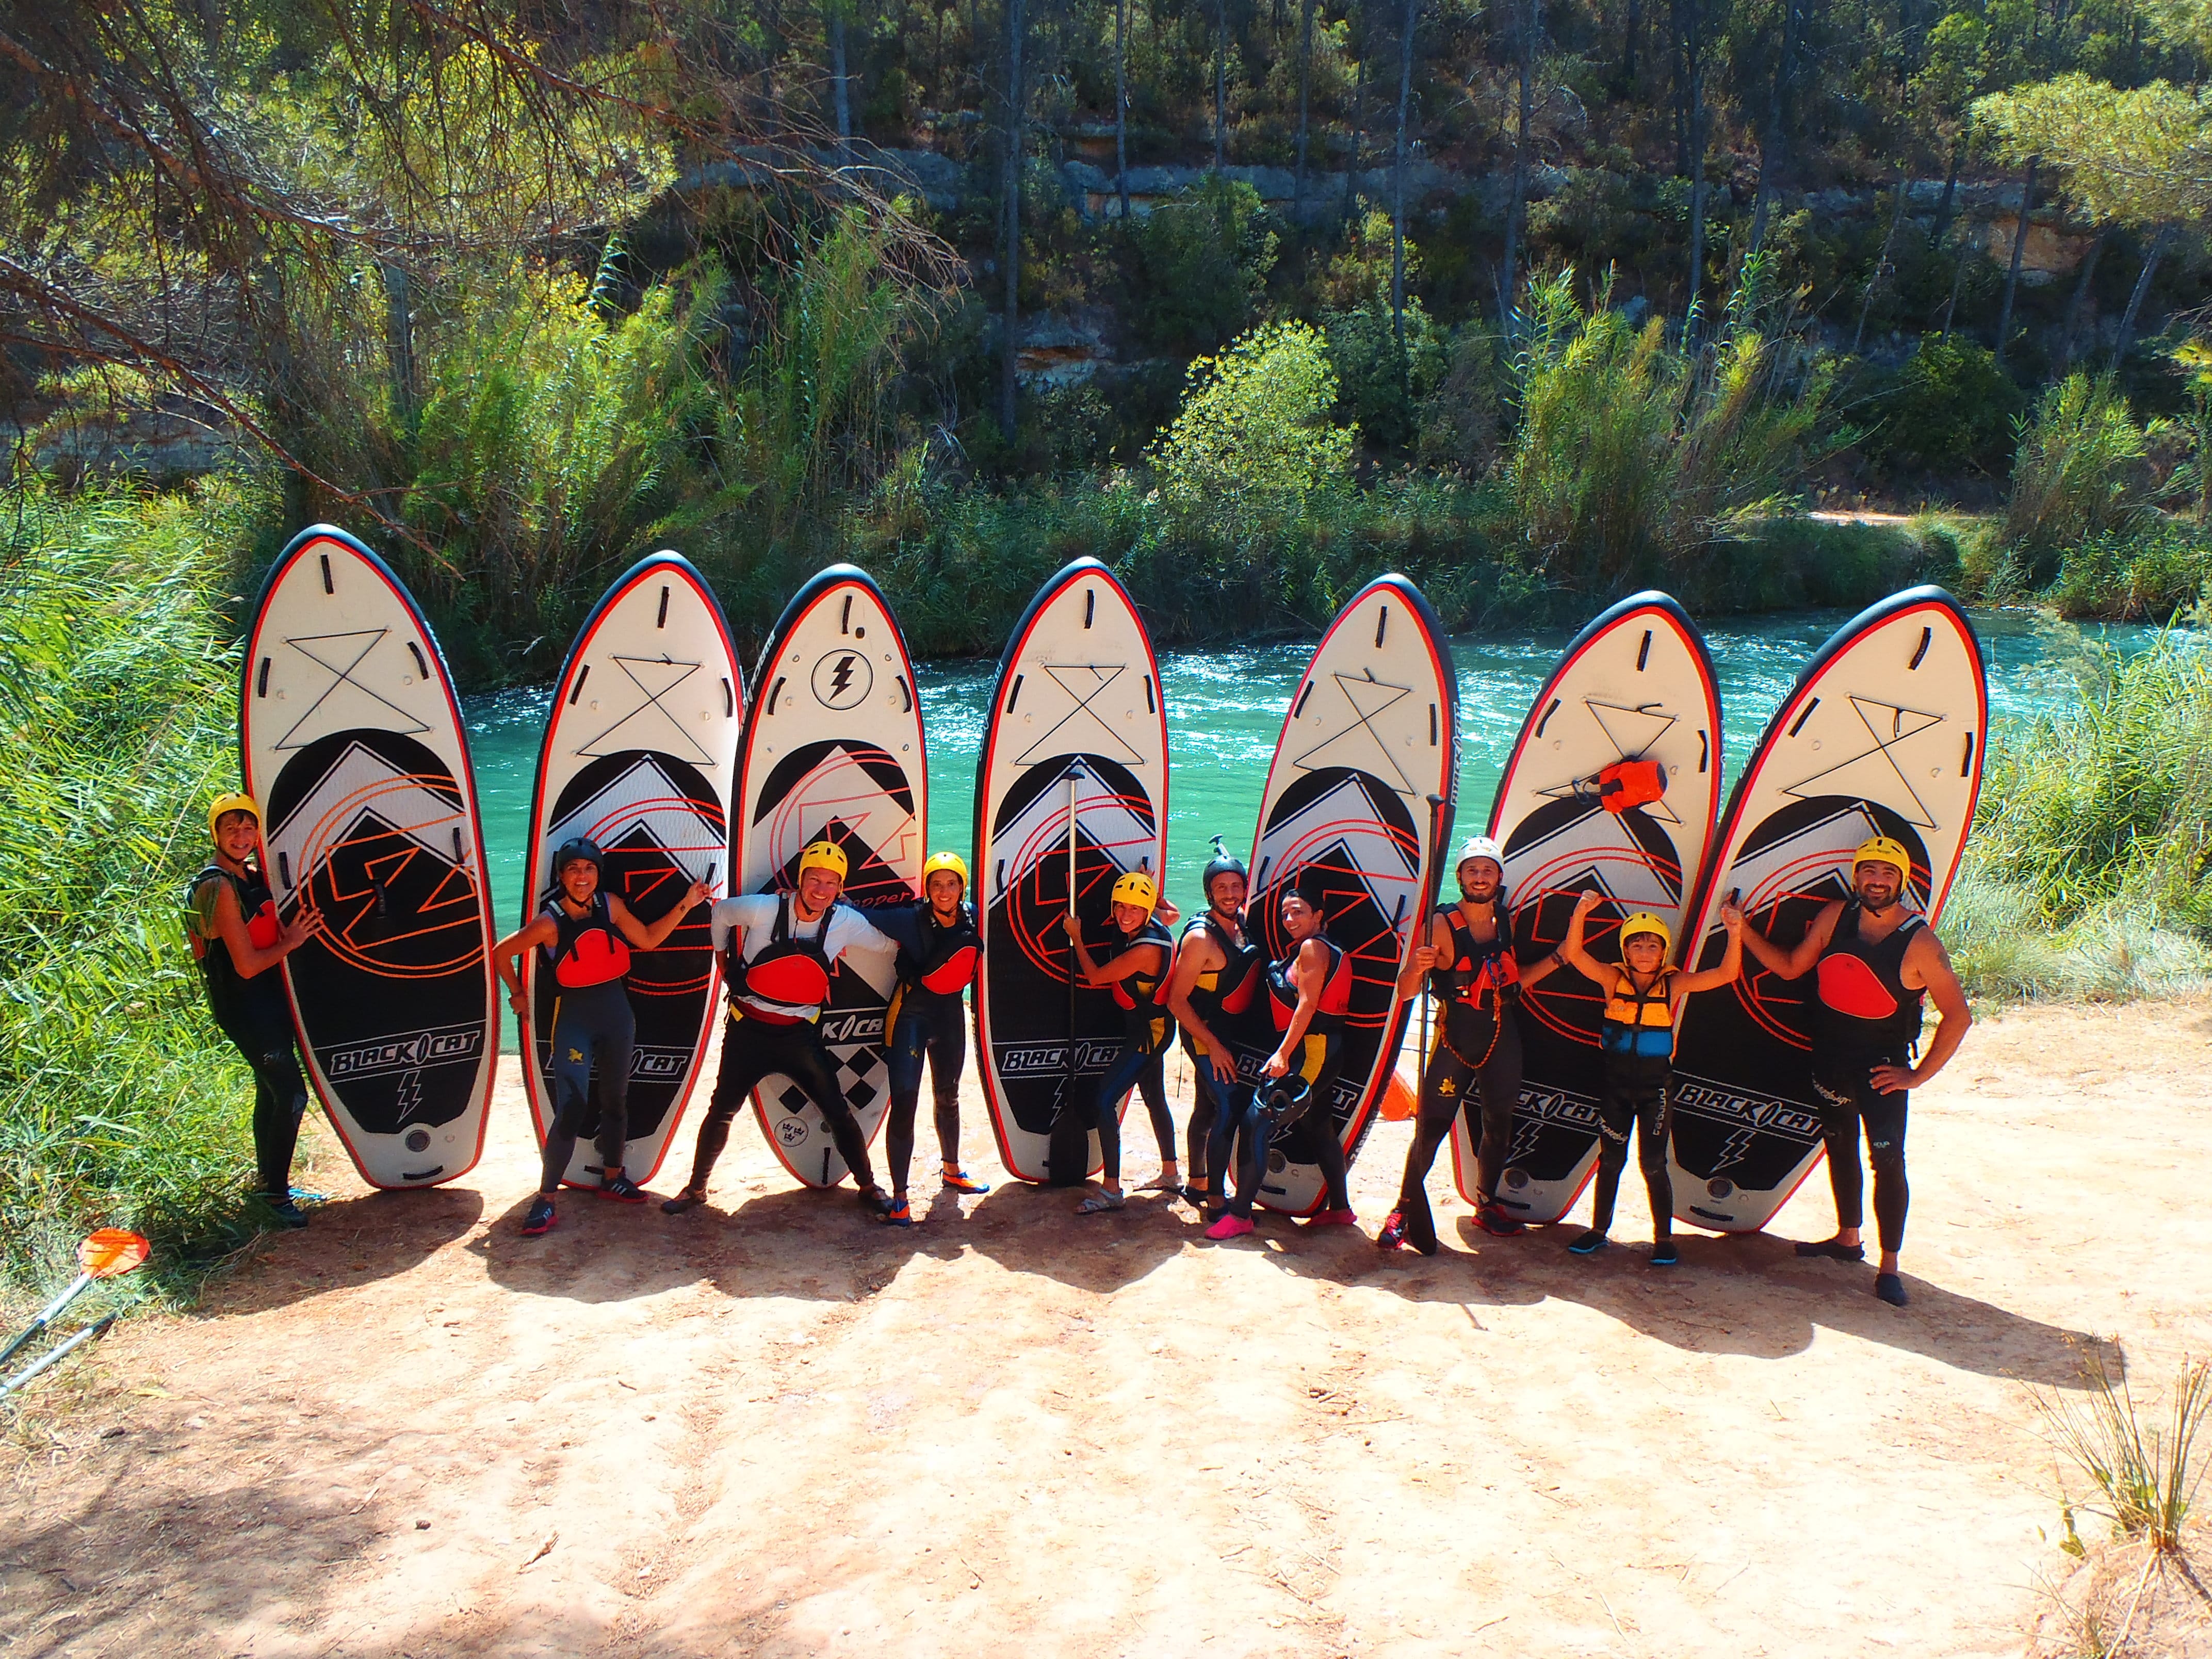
(1313,1138)
(1863,1016)
(927,1019)
(1142,1063)
(256,1015)
(593,1035)
(1637,1037)
(1478,1050)
(1225,999)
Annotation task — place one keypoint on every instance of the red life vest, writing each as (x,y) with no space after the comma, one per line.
(949,954)
(1335,991)
(794,972)
(587,950)
(255,903)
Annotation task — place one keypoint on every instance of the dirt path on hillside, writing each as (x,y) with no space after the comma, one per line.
(771,1427)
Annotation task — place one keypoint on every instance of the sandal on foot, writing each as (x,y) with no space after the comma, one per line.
(690,1198)
(900,1214)
(1231,1226)
(961,1181)
(1099,1203)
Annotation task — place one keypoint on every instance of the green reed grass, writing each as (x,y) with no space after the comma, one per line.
(2146,1473)
(119,1102)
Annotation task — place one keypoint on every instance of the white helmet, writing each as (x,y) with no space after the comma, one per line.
(1480,847)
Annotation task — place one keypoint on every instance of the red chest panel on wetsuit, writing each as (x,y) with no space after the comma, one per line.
(793,972)
(955,973)
(261,926)
(1850,985)
(1481,969)
(587,951)
(1336,989)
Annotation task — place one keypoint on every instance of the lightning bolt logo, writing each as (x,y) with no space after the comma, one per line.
(1739,1142)
(840,677)
(409,1099)
(1526,1130)
(842,680)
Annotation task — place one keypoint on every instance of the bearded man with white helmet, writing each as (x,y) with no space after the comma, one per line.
(1470,962)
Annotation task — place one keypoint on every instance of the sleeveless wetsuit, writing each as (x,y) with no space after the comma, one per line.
(1140,1065)
(1316,1136)
(1864,1016)
(927,1019)
(255,1014)
(1477,1052)
(1636,1037)
(591,1037)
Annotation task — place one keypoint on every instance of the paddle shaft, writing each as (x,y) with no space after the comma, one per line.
(47,1316)
(1422,928)
(1074,959)
(87,1334)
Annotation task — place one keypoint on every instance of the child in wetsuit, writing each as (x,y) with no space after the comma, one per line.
(586,935)
(1644,994)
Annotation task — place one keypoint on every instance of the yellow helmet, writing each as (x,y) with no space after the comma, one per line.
(936,861)
(825,856)
(1645,922)
(1880,849)
(224,805)
(1137,889)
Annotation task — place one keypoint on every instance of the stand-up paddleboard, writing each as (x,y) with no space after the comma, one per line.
(1882,736)
(353,744)
(1358,810)
(1613,787)
(833,751)
(638,757)
(1077,742)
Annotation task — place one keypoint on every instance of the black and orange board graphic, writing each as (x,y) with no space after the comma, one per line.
(1611,787)
(352,742)
(639,756)
(1356,814)
(833,751)
(1071,789)
(1882,736)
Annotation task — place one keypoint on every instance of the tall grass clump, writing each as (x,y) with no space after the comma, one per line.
(119,1102)
(2146,1474)
(2077,474)
(1632,454)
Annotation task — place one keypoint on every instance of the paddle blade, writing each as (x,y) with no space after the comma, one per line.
(110,1251)
(1397,1101)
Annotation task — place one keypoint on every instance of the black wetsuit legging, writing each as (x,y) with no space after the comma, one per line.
(1145,1069)
(1635,1100)
(594,1027)
(258,1023)
(936,1027)
(1848,1098)
(1312,1139)
(1444,1089)
(754,1049)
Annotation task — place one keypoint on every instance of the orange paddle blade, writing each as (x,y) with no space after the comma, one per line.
(1397,1101)
(110,1251)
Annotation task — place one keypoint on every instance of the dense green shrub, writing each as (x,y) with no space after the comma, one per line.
(119,1102)
(2078,475)
(1255,426)
(2150,575)
(1382,383)
(1951,407)
(1197,265)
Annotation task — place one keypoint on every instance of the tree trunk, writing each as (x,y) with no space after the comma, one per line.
(1359,124)
(1635,35)
(1770,142)
(1397,182)
(1121,105)
(2072,330)
(399,343)
(839,96)
(1220,84)
(770,110)
(1305,67)
(2151,257)
(1881,266)
(1016,29)
(1950,184)
(1690,29)
(1516,211)
(2018,252)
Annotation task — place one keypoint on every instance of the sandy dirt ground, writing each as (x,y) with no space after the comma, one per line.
(772,1427)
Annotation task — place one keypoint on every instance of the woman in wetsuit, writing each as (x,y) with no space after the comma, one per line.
(1470,962)
(1136,976)
(586,935)
(939,947)
(1643,995)
(1308,993)
(231,921)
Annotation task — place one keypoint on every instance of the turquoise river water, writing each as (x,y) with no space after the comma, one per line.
(1226,708)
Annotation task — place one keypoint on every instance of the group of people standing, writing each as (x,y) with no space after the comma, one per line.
(1264,1035)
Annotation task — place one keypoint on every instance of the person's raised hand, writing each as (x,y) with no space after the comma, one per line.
(693,897)
(306,922)
(1732,919)
(1589,901)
